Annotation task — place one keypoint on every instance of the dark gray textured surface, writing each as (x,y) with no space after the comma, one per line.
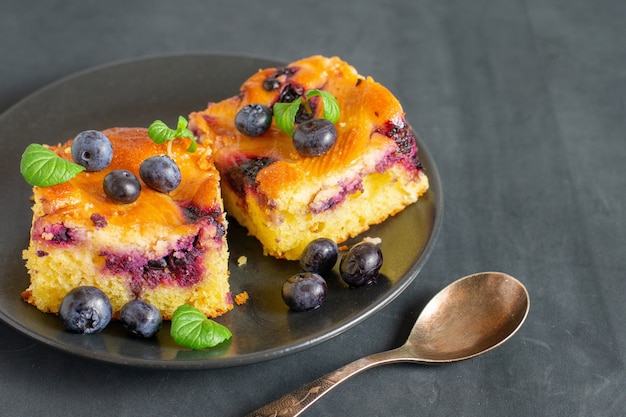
(521,103)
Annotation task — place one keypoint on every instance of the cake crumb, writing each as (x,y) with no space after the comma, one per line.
(368,239)
(242,260)
(241,298)
(374,240)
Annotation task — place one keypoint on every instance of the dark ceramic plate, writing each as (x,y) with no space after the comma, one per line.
(134,93)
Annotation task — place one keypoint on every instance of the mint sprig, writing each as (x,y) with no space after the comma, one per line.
(285,113)
(192,329)
(43,168)
(160,133)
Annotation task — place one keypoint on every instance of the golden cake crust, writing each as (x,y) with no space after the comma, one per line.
(83,195)
(364,105)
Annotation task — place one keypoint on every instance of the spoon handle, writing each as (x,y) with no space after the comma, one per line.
(294,403)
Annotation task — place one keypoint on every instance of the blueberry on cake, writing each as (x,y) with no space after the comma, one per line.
(331,180)
(164,246)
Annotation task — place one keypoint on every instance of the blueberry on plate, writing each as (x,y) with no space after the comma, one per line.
(141,318)
(92,149)
(320,256)
(304,291)
(360,266)
(85,310)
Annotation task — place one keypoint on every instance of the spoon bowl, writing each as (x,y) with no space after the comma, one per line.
(469,317)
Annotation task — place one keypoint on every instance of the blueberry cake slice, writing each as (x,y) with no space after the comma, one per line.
(168,249)
(285,199)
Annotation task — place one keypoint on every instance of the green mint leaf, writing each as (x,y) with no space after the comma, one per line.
(183,132)
(331,107)
(43,168)
(191,329)
(181,125)
(285,115)
(160,133)
(193,145)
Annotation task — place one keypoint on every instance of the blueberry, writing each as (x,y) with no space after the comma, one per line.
(314,137)
(244,173)
(320,255)
(271,84)
(304,291)
(290,93)
(92,149)
(121,186)
(302,115)
(361,264)
(85,310)
(253,119)
(161,173)
(141,318)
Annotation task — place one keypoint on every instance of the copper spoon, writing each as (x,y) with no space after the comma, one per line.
(469,317)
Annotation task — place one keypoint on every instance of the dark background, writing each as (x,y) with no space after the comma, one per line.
(523,107)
